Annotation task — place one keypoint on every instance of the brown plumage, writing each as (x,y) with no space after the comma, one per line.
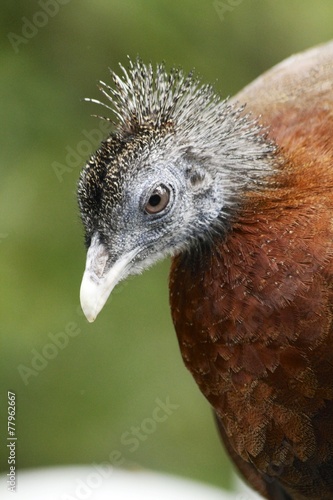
(254,317)
(252,307)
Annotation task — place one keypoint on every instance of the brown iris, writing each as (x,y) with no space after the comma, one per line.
(158,200)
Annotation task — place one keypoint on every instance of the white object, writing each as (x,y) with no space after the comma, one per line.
(101,482)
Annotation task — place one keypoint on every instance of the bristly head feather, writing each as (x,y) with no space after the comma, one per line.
(146,99)
(175,141)
(170,118)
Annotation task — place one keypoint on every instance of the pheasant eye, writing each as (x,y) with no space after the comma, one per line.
(158,200)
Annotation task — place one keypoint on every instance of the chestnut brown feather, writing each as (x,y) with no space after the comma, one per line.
(254,319)
(243,203)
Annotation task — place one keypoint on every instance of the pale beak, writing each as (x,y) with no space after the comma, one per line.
(100,278)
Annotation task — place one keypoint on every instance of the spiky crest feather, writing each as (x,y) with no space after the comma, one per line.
(194,116)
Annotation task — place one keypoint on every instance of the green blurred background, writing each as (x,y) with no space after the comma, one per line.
(74,406)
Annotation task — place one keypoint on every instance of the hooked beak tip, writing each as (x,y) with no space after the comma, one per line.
(88,298)
(99,280)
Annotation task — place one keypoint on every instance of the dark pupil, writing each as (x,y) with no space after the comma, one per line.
(154,200)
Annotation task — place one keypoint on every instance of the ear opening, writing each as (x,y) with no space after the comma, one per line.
(199,178)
